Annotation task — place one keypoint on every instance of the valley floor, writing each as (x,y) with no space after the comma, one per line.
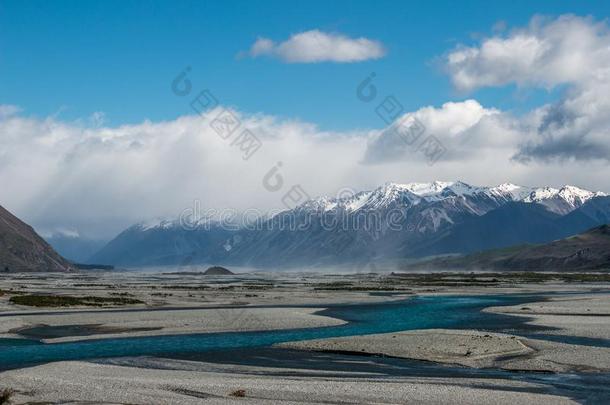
(557,352)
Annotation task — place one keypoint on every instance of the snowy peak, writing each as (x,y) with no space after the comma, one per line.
(440,189)
(577,196)
(408,194)
(381,197)
(416,192)
(446,200)
(541,194)
(156,223)
(320,204)
(510,190)
(426,189)
(563,200)
(183,222)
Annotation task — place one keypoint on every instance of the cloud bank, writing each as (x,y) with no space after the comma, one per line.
(98,180)
(571,51)
(316,46)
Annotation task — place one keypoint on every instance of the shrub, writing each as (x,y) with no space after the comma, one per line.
(239,393)
(5,396)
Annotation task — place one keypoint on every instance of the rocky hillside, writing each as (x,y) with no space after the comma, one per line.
(21,249)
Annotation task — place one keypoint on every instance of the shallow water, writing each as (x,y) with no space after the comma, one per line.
(455,312)
(416,313)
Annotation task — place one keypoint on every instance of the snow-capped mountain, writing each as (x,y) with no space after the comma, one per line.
(511,191)
(563,200)
(439,203)
(409,194)
(400,221)
(457,196)
(391,221)
(425,207)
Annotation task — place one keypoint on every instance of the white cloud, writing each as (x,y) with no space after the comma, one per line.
(97,181)
(571,51)
(60,175)
(546,53)
(317,46)
(464,128)
(262,46)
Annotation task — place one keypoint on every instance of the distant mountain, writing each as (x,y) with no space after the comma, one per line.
(73,247)
(162,243)
(21,249)
(587,251)
(392,221)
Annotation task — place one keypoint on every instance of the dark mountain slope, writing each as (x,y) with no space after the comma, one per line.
(518,223)
(21,249)
(512,224)
(587,251)
(593,213)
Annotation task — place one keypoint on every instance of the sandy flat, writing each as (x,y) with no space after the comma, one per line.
(586,315)
(467,348)
(161,322)
(70,382)
(470,348)
(559,357)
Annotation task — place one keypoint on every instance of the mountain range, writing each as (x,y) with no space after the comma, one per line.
(393,221)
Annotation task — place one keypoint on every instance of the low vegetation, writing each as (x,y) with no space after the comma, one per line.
(238,393)
(67,301)
(5,396)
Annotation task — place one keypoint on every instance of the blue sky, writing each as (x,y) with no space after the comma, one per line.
(74,58)
(514,91)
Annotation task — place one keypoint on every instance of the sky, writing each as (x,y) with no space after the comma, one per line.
(97,130)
